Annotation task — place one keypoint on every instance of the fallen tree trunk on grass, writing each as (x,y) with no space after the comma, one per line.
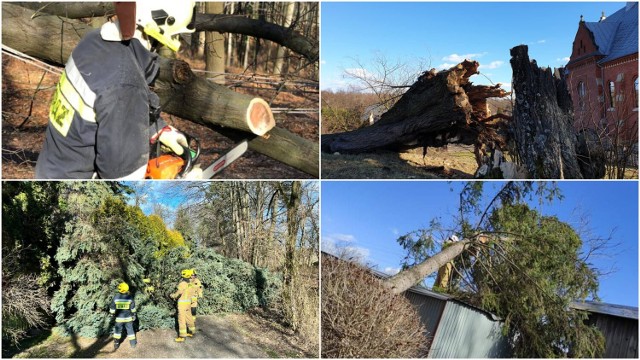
(439,108)
(52,38)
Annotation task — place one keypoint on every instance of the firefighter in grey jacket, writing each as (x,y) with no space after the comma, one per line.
(124,309)
(103,115)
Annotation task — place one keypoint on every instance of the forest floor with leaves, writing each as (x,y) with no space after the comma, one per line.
(455,162)
(26,95)
(247,335)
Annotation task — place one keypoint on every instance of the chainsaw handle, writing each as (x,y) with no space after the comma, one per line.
(188,161)
(197,148)
(189,158)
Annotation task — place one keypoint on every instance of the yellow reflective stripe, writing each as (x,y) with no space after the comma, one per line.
(127,319)
(76,99)
(131,337)
(60,112)
(76,79)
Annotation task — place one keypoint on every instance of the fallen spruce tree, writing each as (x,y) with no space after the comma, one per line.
(445,107)
(52,38)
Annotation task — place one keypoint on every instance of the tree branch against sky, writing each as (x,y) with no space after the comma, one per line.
(369,217)
(514,257)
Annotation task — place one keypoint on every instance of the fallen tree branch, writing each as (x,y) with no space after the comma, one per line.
(237,24)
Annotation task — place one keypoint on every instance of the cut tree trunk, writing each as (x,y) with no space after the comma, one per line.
(543,120)
(52,38)
(439,108)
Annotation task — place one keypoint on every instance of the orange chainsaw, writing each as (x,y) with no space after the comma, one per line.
(172,166)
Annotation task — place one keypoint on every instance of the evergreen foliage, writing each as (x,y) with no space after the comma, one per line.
(532,282)
(108,242)
(523,266)
(74,242)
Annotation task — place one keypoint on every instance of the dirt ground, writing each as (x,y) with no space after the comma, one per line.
(26,94)
(455,162)
(230,336)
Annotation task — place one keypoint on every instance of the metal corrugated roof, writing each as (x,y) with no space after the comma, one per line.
(617,35)
(629,312)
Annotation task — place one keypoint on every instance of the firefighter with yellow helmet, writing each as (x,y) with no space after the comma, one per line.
(197,293)
(186,325)
(124,309)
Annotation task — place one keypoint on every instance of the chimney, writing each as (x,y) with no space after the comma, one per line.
(581,18)
(602,17)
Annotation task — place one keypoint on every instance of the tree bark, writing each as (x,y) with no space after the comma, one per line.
(439,108)
(183,94)
(214,48)
(405,279)
(543,120)
(278,67)
(238,24)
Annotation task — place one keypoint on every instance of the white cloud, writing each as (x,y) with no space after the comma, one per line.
(492,65)
(445,66)
(322,62)
(336,247)
(340,237)
(459,58)
(564,59)
(359,72)
(391,270)
(541,41)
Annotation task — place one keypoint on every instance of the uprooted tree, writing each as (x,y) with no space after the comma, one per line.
(46,32)
(446,107)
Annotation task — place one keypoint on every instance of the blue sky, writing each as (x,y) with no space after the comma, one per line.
(444,33)
(368,216)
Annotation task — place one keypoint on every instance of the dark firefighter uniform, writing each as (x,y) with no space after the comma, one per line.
(103,113)
(124,309)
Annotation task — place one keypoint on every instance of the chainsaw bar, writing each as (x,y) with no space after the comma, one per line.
(225,160)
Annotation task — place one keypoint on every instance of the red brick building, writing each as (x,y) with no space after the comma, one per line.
(602,74)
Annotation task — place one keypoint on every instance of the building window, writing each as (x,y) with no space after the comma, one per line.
(612,95)
(582,92)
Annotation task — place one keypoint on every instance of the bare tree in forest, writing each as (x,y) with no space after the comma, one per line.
(214,47)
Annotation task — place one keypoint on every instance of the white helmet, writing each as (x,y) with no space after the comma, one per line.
(163,19)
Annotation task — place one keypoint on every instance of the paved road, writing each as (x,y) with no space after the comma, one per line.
(216,338)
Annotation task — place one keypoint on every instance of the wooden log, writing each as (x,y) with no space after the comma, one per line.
(237,24)
(52,38)
(439,108)
(543,120)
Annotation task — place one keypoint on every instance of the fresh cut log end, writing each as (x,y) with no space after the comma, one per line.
(259,117)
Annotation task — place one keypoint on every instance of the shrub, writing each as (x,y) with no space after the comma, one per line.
(151,316)
(361,319)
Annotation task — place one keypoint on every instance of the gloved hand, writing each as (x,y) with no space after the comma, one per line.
(134,317)
(171,138)
(194,174)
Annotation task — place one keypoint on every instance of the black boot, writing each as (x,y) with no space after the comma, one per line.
(116,345)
